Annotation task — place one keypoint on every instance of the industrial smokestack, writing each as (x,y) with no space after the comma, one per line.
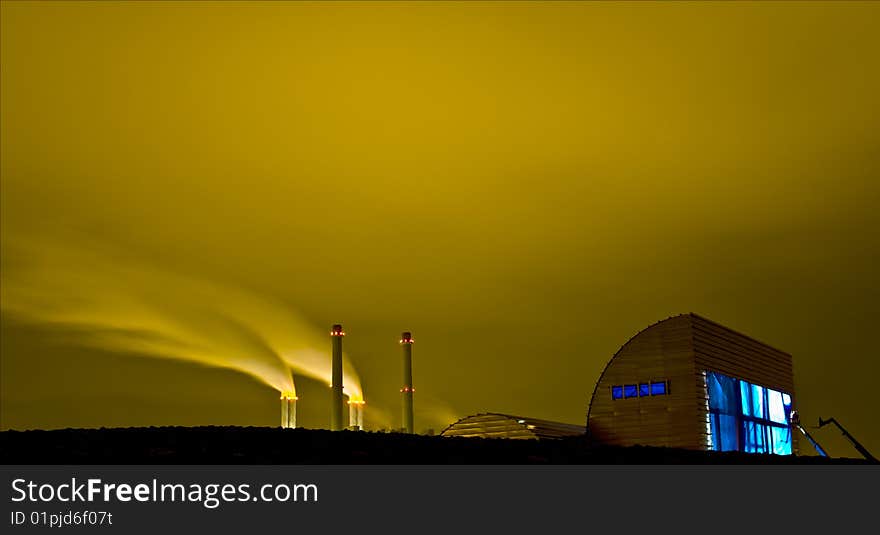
(406,341)
(336,421)
(288,410)
(356,414)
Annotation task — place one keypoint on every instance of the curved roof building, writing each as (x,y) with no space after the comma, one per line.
(493,425)
(688,382)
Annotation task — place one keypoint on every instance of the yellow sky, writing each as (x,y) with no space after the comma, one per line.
(523,185)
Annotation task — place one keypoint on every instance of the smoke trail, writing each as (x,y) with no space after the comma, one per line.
(430,413)
(434,413)
(106,302)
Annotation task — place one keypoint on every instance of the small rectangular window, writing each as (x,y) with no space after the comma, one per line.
(631,391)
(658,389)
(643,390)
(616,392)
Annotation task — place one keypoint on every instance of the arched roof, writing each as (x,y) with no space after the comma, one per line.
(495,425)
(618,352)
(692,317)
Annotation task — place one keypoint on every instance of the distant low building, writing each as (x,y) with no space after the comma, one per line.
(688,382)
(494,425)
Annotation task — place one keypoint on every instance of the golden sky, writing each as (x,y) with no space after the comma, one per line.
(523,185)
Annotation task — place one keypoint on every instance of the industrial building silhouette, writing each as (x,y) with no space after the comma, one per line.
(493,425)
(688,382)
(684,382)
(683,390)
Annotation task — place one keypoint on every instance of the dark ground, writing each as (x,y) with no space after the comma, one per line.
(267,445)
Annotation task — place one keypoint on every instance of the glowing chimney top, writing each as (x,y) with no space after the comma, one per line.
(337,330)
(406,338)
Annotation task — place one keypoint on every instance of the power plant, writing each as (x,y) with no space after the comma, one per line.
(406,343)
(355,400)
(356,405)
(685,382)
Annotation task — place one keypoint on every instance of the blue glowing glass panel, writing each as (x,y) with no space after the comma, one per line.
(722,393)
(747,417)
(754,438)
(745,395)
(724,432)
(781,440)
(658,389)
(775,407)
(758,401)
(643,389)
(631,391)
(616,392)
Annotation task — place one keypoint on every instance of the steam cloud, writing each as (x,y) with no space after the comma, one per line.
(105,301)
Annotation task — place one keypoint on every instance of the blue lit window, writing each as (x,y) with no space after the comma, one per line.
(781,440)
(758,402)
(755,438)
(724,434)
(776,407)
(745,397)
(658,389)
(752,400)
(747,417)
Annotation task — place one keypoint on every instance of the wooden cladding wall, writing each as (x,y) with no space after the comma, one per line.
(679,349)
(719,349)
(663,351)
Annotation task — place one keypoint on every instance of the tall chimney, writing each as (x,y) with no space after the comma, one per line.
(288,410)
(356,414)
(336,421)
(406,341)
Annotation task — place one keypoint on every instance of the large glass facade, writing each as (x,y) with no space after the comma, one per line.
(747,417)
